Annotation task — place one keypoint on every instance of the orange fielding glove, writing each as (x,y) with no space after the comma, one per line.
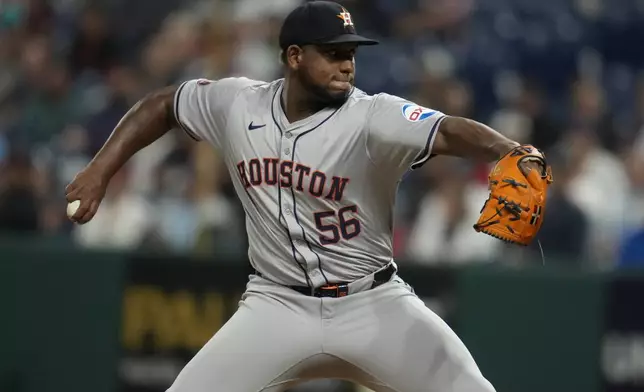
(518,186)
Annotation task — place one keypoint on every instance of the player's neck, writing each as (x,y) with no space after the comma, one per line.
(297,104)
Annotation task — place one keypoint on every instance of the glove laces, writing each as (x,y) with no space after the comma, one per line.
(513,208)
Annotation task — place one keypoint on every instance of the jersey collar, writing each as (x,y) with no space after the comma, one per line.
(301,125)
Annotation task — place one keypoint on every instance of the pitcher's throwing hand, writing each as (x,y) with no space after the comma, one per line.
(88,187)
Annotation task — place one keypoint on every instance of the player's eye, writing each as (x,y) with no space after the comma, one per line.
(341,55)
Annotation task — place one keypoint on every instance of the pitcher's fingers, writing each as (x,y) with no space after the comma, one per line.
(91,211)
(70,188)
(81,211)
(71,196)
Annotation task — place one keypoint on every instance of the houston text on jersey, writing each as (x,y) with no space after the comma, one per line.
(302,178)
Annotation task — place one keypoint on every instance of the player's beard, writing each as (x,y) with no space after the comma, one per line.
(321,95)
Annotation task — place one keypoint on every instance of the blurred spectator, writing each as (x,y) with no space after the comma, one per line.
(221,217)
(589,111)
(632,248)
(175,226)
(50,106)
(545,131)
(36,56)
(257,27)
(564,230)
(599,186)
(39,17)
(122,222)
(632,251)
(92,49)
(10,77)
(634,164)
(4,147)
(172,51)
(218,48)
(19,201)
(524,115)
(123,90)
(443,230)
(69,152)
(512,118)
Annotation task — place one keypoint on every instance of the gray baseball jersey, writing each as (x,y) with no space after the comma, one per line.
(319,198)
(318,193)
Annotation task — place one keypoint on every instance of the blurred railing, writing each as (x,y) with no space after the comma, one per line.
(75,320)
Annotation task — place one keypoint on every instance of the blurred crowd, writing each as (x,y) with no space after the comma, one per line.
(564,75)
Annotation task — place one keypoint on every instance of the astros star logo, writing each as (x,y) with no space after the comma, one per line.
(346,17)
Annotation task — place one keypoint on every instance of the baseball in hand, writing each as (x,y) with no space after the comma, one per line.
(72,208)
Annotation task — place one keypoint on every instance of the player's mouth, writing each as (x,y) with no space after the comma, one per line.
(343,85)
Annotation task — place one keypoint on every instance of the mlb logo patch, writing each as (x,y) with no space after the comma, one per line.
(415,113)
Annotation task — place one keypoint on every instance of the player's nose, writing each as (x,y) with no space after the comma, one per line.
(347,67)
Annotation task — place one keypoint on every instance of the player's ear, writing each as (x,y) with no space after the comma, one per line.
(293,56)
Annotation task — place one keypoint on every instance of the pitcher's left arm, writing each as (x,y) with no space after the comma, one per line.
(466,138)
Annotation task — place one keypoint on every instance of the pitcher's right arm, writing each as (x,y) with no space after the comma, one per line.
(200,107)
(144,123)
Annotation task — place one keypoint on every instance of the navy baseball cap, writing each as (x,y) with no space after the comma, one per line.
(320,22)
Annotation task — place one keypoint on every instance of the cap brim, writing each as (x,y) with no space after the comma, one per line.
(349,39)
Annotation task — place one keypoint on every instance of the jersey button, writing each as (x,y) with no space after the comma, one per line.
(287,151)
(287,211)
(288,135)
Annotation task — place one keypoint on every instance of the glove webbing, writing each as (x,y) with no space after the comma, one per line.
(512,207)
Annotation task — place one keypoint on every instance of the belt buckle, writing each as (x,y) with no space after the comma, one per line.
(333,291)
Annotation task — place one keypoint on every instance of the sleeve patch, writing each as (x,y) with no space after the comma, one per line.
(415,113)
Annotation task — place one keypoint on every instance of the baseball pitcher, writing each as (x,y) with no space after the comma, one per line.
(316,164)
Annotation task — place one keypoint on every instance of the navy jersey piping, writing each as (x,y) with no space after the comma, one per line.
(309,282)
(423,156)
(183,127)
(308,244)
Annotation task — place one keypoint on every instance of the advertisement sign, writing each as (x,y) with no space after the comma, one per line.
(622,356)
(170,310)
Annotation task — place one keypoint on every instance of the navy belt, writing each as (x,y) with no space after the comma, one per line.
(341,289)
